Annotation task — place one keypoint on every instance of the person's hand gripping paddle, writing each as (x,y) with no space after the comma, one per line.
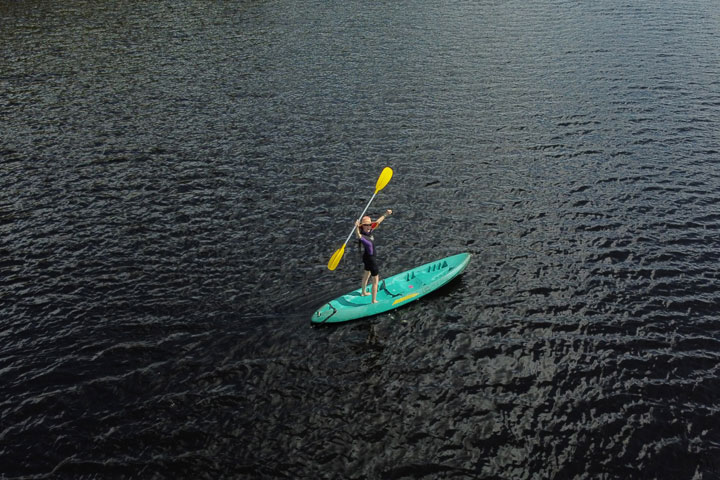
(382,181)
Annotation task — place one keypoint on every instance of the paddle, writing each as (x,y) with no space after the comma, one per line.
(382,180)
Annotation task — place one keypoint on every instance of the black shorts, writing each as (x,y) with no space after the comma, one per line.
(370,265)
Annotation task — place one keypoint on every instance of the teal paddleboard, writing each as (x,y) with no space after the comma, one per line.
(394,291)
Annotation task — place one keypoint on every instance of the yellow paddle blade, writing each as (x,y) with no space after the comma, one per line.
(335,259)
(383,179)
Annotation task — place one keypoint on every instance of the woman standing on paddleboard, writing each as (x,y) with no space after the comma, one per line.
(364,233)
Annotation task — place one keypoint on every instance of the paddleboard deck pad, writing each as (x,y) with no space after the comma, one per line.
(393,292)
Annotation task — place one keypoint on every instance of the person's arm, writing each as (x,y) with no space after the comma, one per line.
(383,217)
(357,229)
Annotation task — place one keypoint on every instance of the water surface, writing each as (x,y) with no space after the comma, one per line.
(175,176)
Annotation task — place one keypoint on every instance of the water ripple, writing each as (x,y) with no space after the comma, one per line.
(175,177)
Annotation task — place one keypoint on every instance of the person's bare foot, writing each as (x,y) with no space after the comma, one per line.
(363,293)
(374,301)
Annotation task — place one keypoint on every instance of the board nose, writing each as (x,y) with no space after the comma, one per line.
(323,314)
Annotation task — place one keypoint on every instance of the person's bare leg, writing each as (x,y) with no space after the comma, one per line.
(366,277)
(376,281)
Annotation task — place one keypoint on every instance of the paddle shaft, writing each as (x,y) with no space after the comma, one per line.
(382,180)
(360,218)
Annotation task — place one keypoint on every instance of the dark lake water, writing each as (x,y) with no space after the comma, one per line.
(175,176)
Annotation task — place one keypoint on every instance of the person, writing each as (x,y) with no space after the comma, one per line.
(364,233)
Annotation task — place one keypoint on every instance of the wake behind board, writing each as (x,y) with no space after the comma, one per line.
(393,292)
